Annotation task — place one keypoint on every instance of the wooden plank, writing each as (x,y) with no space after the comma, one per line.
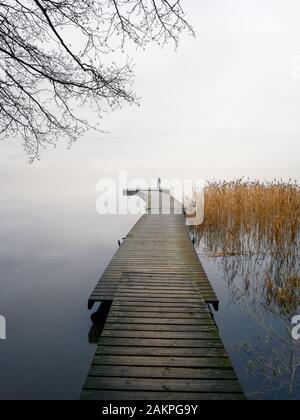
(169,321)
(190,335)
(206,362)
(159,290)
(157,327)
(161,372)
(161,342)
(163,384)
(158,299)
(109,395)
(103,297)
(160,314)
(176,294)
(188,314)
(123,349)
(160,305)
(125,309)
(157,305)
(110,286)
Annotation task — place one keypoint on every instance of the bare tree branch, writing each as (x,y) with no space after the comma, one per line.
(56,55)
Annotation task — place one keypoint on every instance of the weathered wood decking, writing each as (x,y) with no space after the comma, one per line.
(157,243)
(159,340)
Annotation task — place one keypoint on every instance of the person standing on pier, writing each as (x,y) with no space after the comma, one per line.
(159,183)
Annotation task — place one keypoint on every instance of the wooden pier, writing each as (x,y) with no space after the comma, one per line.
(159,341)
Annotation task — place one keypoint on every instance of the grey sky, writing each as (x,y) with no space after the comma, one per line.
(225,105)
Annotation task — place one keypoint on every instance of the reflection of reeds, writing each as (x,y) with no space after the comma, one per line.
(274,357)
(286,295)
(254,219)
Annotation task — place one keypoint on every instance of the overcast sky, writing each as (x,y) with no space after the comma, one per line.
(225,105)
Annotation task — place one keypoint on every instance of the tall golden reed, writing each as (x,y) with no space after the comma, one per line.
(258,220)
(251,217)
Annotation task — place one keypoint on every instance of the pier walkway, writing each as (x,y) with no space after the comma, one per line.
(159,341)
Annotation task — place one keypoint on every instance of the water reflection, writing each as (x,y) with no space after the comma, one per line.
(263,282)
(51,258)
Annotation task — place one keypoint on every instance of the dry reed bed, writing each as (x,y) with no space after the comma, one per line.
(253,218)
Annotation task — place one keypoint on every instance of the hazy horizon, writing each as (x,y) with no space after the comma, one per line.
(223,106)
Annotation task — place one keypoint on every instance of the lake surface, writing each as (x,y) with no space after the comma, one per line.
(50,260)
(256,334)
(52,253)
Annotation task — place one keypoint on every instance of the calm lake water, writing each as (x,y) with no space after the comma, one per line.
(52,255)
(257,335)
(50,260)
